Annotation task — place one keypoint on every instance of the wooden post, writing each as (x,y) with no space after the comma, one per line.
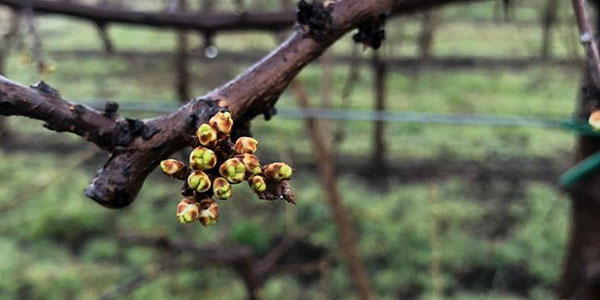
(326,90)
(427,35)
(328,178)
(379,79)
(2,66)
(581,274)
(106,41)
(5,47)
(548,20)
(182,60)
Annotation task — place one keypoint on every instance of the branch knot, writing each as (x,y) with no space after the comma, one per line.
(371,33)
(315,17)
(45,88)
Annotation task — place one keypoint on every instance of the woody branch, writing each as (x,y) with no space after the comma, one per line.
(137,146)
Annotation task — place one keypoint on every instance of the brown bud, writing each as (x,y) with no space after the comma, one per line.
(187,211)
(222,122)
(257,183)
(202,158)
(594,120)
(207,135)
(173,168)
(209,214)
(233,170)
(199,181)
(221,188)
(251,163)
(278,171)
(246,145)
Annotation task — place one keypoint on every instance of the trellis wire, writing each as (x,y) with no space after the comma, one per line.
(368,115)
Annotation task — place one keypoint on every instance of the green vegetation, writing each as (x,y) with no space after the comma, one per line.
(494,240)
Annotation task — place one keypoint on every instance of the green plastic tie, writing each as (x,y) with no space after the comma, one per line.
(580,170)
(582,128)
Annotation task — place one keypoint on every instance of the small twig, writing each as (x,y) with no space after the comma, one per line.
(587,39)
(306,267)
(269,261)
(266,264)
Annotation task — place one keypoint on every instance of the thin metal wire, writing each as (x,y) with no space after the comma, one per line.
(369,116)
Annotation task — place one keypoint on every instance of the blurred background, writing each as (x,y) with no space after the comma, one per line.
(452,192)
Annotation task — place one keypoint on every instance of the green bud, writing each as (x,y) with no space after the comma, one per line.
(233,170)
(222,123)
(209,214)
(594,120)
(257,183)
(251,163)
(202,158)
(199,181)
(221,188)
(245,145)
(172,167)
(187,211)
(278,171)
(207,135)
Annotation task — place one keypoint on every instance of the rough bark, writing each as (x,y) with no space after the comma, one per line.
(581,275)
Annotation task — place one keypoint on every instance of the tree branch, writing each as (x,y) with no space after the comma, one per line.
(193,21)
(587,39)
(137,146)
(45,103)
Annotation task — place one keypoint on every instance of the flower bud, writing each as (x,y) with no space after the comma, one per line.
(202,159)
(206,135)
(187,211)
(594,120)
(257,183)
(222,122)
(251,163)
(209,214)
(233,170)
(246,145)
(172,167)
(278,171)
(221,188)
(199,181)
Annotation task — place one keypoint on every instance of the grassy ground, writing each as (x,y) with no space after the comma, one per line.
(491,240)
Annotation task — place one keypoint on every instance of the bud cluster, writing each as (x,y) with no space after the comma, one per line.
(215,165)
